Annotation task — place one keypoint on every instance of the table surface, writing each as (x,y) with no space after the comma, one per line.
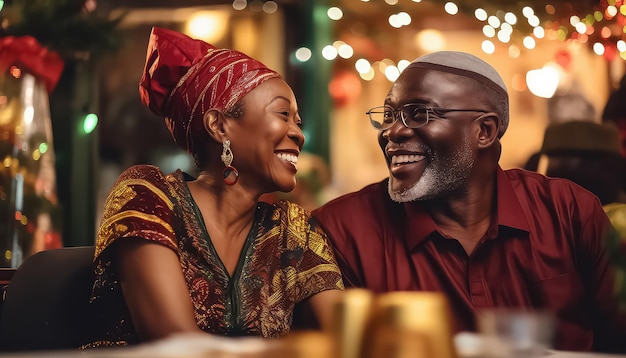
(207,346)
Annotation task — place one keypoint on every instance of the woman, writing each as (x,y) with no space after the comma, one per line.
(203,254)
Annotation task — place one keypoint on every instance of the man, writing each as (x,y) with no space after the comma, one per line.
(615,111)
(449,218)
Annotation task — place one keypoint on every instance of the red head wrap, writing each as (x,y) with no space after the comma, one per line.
(183,78)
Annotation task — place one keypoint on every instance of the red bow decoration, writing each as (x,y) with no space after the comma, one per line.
(26,53)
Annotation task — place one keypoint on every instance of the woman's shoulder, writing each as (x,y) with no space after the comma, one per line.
(142,172)
(149,175)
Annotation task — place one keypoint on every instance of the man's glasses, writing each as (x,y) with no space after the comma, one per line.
(412,115)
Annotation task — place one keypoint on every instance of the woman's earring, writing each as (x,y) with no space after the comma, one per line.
(227,158)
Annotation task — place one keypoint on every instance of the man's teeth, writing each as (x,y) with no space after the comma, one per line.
(293,159)
(402,159)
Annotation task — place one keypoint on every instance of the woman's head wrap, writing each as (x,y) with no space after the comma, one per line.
(183,78)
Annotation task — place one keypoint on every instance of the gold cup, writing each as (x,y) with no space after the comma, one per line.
(409,324)
(303,344)
(350,316)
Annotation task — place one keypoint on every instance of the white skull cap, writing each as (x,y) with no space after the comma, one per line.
(467,65)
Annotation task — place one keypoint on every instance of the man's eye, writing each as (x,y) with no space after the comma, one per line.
(388,116)
(436,112)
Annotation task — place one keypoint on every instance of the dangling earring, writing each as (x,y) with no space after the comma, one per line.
(227,159)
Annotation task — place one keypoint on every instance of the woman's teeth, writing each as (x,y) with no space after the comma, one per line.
(293,159)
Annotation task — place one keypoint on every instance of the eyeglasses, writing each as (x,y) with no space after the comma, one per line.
(412,115)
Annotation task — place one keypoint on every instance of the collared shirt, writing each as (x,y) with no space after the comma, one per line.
(545,249)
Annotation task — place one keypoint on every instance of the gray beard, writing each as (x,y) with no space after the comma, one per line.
(442,175)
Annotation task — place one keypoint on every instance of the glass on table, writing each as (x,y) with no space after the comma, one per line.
(510,333)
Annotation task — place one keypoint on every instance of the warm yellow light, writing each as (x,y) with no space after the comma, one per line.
(345,51)
(303,54)
(514,51)
(451,8)
(598,48)
(533,21)
(611,11)
(362,66)
(510,18)
(369,75)
(529,42)
(392,73)
(270,7)
(239,4)
(488,47)
(504,36)
(403,64)
(335,13)
(489,31)
(209,26)
(329,52)
(543,82)
(480,14)
(528,11)
(430,40)
(493,21)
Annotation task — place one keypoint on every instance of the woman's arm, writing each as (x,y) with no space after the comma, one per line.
(323,304)
(154,288)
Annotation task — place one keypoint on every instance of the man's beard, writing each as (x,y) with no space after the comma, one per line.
(443,174)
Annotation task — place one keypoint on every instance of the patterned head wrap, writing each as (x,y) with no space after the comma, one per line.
(467,65)
(184,77)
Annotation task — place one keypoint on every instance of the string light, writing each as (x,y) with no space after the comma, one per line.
(303,54)
(506,24)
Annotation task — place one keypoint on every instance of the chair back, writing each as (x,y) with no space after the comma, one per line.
(46,304)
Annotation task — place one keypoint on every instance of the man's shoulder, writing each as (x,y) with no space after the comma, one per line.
(533,181)
(539,193)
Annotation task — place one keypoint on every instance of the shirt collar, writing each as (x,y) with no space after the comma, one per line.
(509,213)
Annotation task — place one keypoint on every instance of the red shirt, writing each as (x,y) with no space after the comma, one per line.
(545,250)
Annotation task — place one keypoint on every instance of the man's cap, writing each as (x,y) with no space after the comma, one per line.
(467,65)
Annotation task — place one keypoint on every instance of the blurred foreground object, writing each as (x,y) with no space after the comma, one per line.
(617,247)
(512,333)
(393,325)
(28,202)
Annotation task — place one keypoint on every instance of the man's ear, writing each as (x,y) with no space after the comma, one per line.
(489,127)
(214,125)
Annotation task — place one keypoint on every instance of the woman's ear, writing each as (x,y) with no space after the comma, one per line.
(489,126)
(214,125)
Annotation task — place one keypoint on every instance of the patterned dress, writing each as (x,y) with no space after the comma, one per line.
(285,259)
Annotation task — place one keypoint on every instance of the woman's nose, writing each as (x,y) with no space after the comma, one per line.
(296,134)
